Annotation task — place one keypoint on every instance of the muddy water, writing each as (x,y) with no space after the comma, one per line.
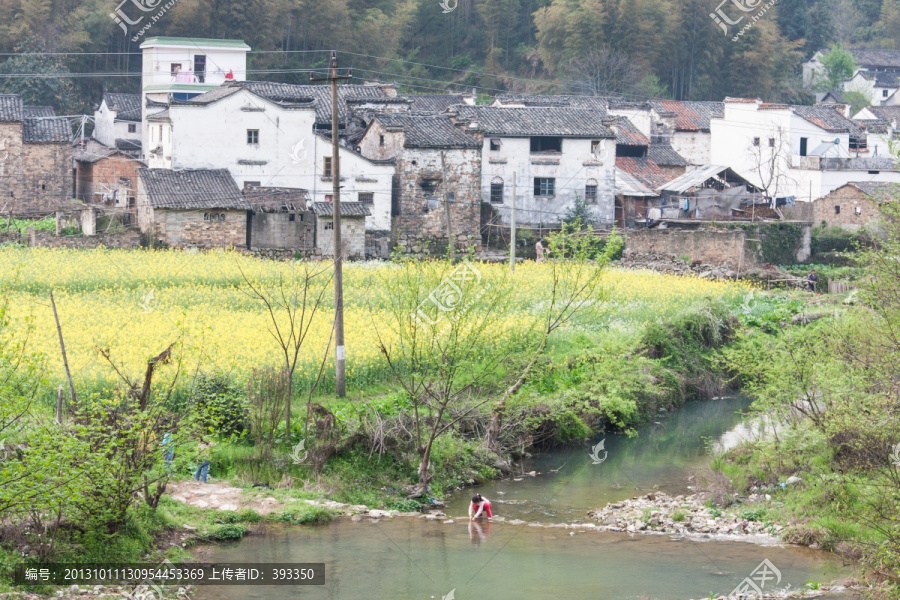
(413,558)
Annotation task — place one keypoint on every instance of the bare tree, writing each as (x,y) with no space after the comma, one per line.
(603,71)
(771,163)
(291,303)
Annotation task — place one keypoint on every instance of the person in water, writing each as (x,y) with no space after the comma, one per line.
(480,506)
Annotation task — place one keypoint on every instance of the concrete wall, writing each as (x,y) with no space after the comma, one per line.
(695,147)
(724,248)
(277,230)
(353,236)
(35,179)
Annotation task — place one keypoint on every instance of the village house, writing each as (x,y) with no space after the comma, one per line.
(687,127)
(553,156)
(191,207)
(880,87)
(35,159)
(281,218)
(853,205)
(117,123)
(179,69)
(353,228)
(437,177)
(799,152)
(105,176)
(882,124)
(881,64)
(266,135)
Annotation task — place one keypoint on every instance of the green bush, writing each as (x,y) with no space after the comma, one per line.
(678,516)
(228,532)
(310,515)
(220,406)
(754,514)
(245,516)
(404,505)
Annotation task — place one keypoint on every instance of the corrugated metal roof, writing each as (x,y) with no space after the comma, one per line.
(692,178)
(192,189)
(348,209)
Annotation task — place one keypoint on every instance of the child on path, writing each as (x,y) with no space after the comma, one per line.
(204,452)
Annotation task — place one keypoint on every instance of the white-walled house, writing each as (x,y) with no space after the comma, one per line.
(265,142)
(178,69)
(879,87)
(555,154)
(118,118)
(882,124)
(687,125)
(800,151)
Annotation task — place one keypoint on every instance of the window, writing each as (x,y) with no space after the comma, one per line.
(200,68)
(131,201)
(451,197)
(367,197)
(381,140)
(590,191)
(213,216)
(326,167)
(292,217)
(544,186)
(253,136)
(174,68)
(771,142)
(249,184)
(432,202)
(132,128)
(756,141)
(884,93)
(43,187)
(837,209)
(328,198)
(546,144)
(329,226)
(160,134)
(595,145)
(497,190)
(803,143)
(495,144)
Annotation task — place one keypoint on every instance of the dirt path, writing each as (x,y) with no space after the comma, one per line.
(221,496)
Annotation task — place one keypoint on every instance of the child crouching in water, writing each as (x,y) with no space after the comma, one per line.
(480,506)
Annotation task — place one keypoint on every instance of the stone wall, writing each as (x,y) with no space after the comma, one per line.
(35,179)
(709,246)
(201,228)
(423,246)
(294,231)
(840,206)
(128,239)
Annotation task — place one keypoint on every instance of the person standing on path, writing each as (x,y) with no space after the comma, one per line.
(539,251)
(204,456)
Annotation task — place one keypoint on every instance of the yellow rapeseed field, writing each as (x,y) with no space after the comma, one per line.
(138,302)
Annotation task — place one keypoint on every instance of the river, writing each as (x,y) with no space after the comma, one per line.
(411,558)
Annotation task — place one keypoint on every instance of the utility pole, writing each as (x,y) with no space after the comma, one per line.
(512,229)
(340,380)
(444,186)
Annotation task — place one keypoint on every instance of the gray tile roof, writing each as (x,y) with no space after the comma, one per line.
(690,116)
(192,189)
(11,108)
(880,192)
(627,134)
(162,115)
(128,145)
(127,106)
(887,79)
(276,199)
(287,93)
(433,103)
(827,118)
(348,209)
(665,156)
(644,170)
(877,58)
(886,113)
(540,100)
(209,97)
(46,130)
(523,122)
(39,111)
(427,131)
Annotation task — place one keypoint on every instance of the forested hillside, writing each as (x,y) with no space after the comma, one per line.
(654,48)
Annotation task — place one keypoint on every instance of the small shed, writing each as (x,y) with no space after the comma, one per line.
(709,192)
(353,228)
(192,207)
(854,204)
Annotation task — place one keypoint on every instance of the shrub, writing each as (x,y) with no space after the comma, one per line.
(219,405)
(678,516)
(228,532)
(310,515)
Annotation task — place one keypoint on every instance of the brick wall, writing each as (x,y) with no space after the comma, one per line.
(353,236)
(106,175)
(35,179)
(203,228)
(848,199)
